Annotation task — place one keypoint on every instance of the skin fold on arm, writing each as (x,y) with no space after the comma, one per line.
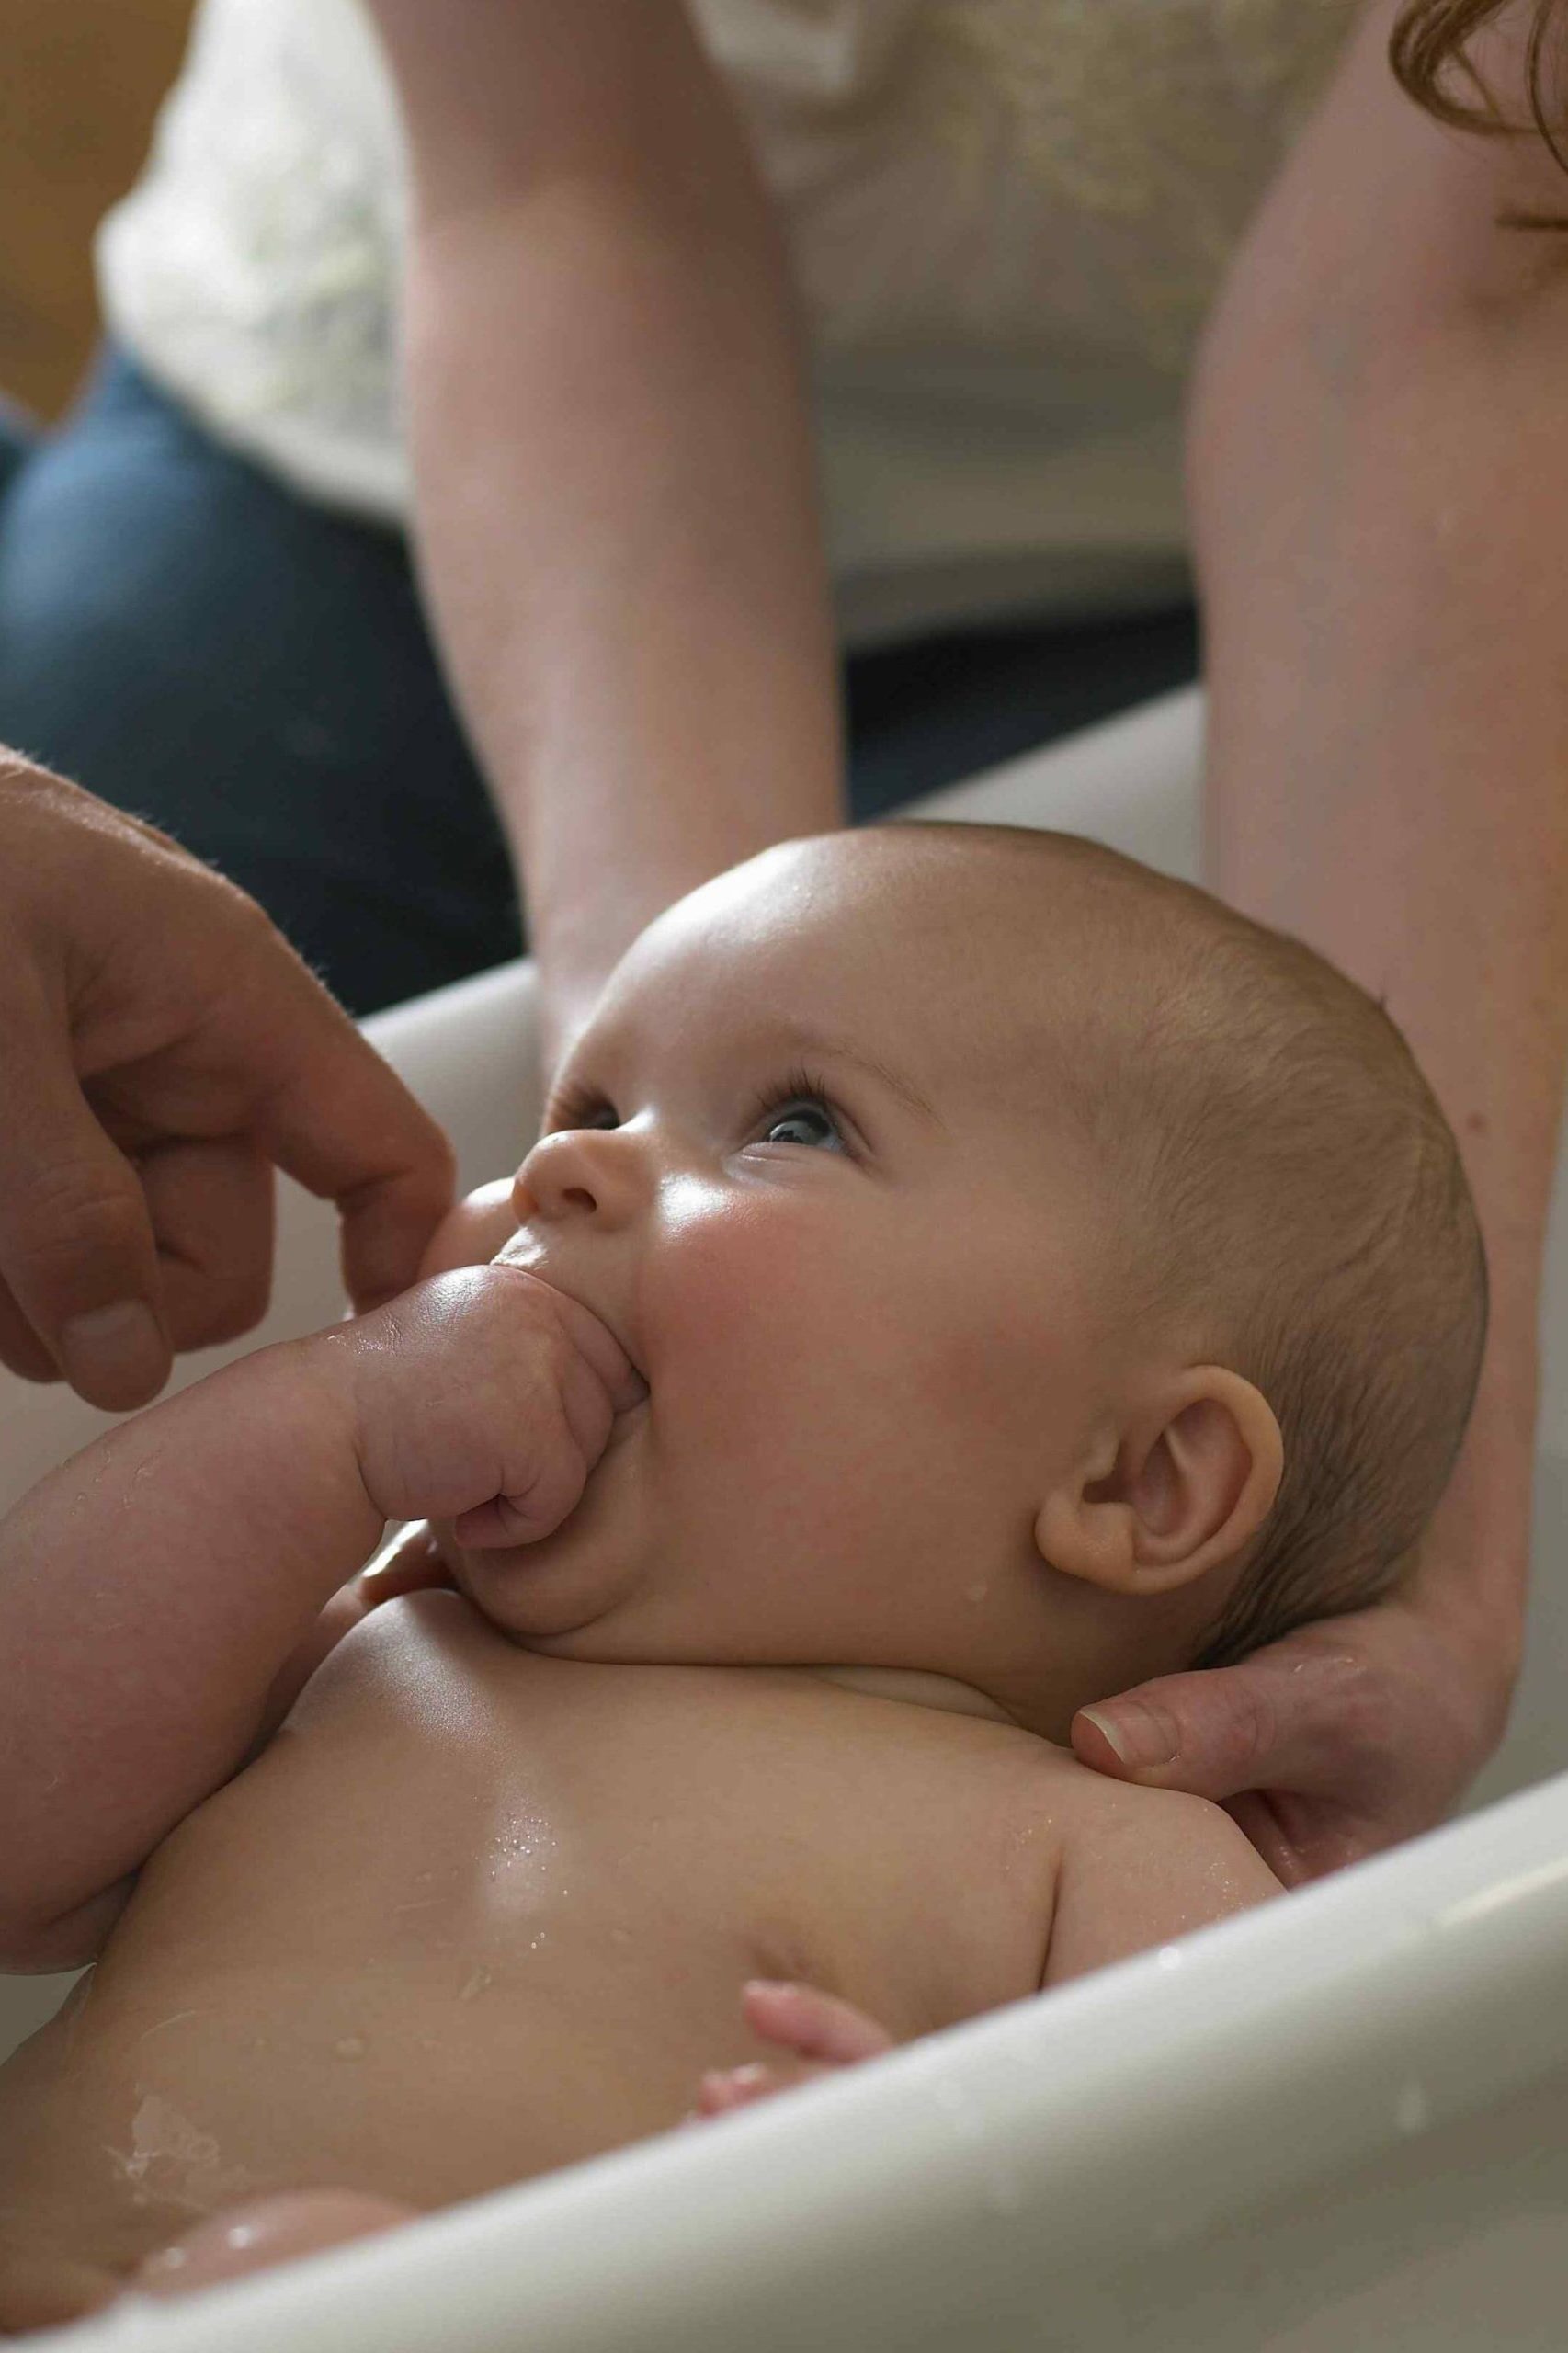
(616,505)
(1379,499)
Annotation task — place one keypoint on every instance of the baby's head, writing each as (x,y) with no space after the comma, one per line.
(1043,1277)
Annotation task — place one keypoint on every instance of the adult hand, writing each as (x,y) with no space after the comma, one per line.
(1346,1736)
(162,1048)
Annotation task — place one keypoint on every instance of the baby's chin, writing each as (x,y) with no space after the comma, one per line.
(519,1596)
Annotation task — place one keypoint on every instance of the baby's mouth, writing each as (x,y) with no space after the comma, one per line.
(523,1251)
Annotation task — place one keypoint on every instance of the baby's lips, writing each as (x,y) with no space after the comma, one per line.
(609,1357)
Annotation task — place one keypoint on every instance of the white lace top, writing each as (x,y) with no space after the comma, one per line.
(1007,219)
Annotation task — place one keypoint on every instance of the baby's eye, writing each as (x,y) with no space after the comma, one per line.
(801,1122)
(576,1108)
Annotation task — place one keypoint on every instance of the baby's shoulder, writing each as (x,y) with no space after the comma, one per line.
(1140,1867)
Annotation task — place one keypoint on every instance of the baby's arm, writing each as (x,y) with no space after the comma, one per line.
(1143,1873)
(152,1587)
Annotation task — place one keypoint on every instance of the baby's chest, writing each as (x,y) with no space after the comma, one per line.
(602,1834)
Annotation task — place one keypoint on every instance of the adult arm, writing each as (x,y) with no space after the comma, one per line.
(162,1048)
(614,501)
(1379,503)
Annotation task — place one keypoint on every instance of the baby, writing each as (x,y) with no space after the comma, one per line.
(962,1275)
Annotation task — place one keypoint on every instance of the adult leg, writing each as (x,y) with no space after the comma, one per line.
(252,673)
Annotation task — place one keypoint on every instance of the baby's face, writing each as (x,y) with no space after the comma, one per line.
(794,1167)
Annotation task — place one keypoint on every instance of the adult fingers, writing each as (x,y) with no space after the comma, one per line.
(1275,1721)
(211,1205)
(21,1351)
(340,1121)
(1335,1742)
(76,1245)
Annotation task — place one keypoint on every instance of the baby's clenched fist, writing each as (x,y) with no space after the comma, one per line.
(483,1397)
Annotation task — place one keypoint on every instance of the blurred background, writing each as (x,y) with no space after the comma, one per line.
(80,83)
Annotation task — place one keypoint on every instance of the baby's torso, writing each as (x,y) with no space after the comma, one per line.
(476,1913)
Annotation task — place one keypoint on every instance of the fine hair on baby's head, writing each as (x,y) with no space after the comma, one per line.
(1287,1190)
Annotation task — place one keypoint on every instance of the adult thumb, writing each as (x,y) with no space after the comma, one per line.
(1214,1733)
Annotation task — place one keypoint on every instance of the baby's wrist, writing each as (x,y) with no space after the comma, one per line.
(326,1376)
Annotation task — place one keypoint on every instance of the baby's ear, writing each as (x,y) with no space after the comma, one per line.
(1177,1491)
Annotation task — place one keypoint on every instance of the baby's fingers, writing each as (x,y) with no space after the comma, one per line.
(812,2024)
(530,1514)
(724,2088)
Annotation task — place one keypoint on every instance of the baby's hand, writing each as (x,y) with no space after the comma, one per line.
(822,2033)
(485,1397)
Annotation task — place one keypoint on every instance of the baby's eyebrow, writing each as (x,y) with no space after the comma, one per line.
(814,1041)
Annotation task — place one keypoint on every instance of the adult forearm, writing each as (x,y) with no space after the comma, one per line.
(1379,504)
(616,506)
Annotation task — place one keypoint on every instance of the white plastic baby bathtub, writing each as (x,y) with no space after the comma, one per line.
(1339,2123)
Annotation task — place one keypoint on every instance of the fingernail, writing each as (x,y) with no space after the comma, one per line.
(116,1357)
(1139,1739)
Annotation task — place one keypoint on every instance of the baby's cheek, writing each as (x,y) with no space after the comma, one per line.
(752,1323)
(470,1235)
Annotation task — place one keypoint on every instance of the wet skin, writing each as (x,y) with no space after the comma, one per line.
(475,1913)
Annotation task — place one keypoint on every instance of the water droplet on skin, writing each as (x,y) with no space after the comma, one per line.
(352,2046)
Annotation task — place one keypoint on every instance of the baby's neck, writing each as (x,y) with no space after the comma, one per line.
(921,1690)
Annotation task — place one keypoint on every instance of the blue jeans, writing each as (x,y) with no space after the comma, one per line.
(253,674)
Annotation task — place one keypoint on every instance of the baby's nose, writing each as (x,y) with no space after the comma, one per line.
(584,1172)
